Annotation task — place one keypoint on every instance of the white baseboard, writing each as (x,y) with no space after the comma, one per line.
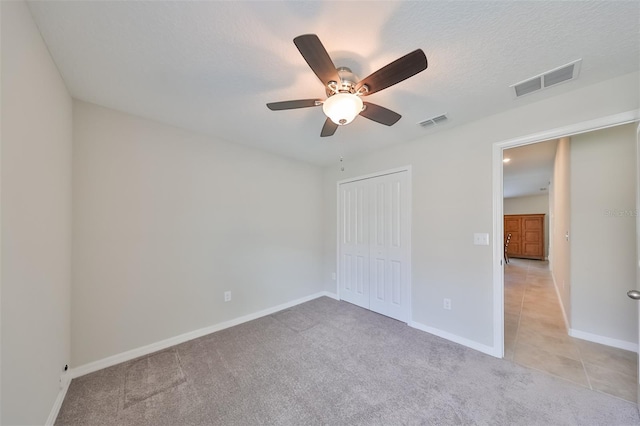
(331,295)
(489,350)
(172,341)
(65,380)
(603,340)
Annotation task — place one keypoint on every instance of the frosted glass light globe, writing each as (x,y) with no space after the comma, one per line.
(342,108)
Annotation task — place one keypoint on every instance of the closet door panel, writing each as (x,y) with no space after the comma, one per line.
(374,249)
(378,242)
(354,243)
(390,246)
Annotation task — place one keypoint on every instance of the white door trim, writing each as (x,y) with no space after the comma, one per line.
(498,252)
(410,203)
(638,241)
(375,174)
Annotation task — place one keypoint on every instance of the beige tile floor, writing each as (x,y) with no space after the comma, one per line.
(535,336)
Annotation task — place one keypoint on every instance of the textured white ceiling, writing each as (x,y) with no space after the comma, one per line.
(212,66)
(529,170)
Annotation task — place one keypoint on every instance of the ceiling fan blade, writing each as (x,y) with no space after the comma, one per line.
(317,57)
(395,72)
(301,103)
(380,114)
(329,128)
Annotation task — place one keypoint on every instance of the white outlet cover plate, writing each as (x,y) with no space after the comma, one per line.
(481,239)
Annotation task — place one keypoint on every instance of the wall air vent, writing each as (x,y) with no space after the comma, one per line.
(433,120)
(547,79)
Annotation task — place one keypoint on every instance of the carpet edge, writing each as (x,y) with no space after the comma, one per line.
(489,350)
(185,337)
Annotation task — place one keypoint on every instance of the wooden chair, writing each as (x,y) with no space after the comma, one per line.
(506,247)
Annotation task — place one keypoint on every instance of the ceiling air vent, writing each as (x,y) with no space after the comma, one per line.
(528,86)
(547,79)
(433,121)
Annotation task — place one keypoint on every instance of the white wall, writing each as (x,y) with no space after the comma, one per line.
(35,184)
(166,220)
(532,204)
(603,228)
(560,206)
(452,199)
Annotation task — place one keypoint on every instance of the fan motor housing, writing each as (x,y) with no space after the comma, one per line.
(347,82)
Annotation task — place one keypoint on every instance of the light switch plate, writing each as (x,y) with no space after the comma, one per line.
(480,239)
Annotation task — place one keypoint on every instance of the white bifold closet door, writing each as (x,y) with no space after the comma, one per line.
(374,247)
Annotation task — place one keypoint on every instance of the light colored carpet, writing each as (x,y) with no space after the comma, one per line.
(330,363)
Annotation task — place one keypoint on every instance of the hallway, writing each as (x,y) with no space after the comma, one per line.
(536,336)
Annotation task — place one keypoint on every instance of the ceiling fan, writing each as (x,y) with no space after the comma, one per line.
(344,90)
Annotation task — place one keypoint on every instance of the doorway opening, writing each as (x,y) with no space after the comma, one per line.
(542,331)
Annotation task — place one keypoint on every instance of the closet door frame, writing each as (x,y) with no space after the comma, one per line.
(409,192)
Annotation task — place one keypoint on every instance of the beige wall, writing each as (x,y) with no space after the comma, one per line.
(532,204)
(452,199)
(603,229)
(35,184)
(166,220)
(560,224)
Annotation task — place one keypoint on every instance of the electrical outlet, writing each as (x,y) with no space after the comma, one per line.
(446,304)
(333,276)
(64,378)
(227,296)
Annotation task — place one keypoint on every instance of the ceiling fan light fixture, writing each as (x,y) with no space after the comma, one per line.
(342,108)
(344,88)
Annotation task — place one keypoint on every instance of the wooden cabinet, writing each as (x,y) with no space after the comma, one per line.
(527,235)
